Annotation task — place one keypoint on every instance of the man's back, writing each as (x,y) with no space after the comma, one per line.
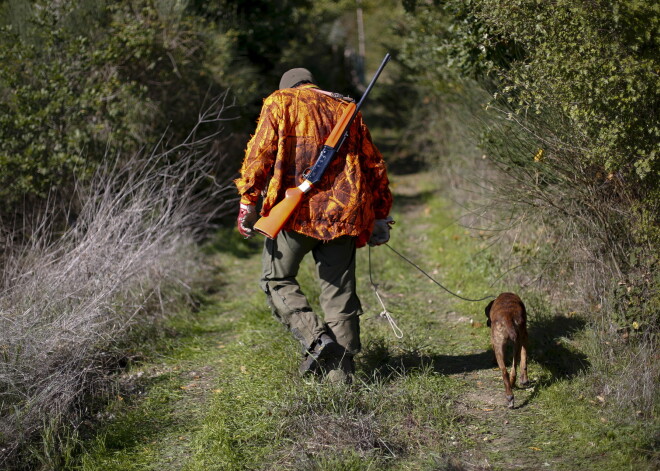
(293,126)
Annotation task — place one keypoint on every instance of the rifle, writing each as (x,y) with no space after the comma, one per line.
(271,224)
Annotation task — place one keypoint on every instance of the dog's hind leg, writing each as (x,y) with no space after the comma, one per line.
(499,355)
(524,380)
(516,362)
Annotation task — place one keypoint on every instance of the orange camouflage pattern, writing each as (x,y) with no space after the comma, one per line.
(292,128)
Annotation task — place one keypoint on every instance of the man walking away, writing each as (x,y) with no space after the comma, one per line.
(345,210)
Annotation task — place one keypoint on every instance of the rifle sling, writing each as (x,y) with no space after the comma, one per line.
(336,96)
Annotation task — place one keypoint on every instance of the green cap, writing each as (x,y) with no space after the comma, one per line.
(293,76)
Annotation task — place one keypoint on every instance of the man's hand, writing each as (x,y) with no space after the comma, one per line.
(247,216)
(381,233)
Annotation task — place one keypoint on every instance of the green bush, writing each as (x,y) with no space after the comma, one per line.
(574,87)
(52,114)
(572,127)
(72,97)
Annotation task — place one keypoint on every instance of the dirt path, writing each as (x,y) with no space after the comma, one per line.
(497,431)
(500,436)
(204,393)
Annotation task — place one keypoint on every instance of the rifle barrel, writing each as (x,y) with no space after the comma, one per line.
(386,59)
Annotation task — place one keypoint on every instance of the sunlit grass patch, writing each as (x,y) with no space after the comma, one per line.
(241,424)
(581,430)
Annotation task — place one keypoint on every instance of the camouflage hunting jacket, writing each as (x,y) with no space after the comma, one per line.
(293,126)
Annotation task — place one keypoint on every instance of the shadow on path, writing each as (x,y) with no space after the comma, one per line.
(545,347)
(403,201)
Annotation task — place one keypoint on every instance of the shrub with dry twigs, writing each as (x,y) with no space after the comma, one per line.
(66,301)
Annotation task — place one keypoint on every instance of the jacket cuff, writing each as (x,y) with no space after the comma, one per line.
(248,200)
(380,214)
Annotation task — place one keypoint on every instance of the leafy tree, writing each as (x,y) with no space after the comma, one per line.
(73,97)
(586,71)
(85,81)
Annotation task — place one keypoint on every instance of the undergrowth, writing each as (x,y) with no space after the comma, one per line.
(74,305)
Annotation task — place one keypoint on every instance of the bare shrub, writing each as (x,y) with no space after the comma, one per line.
(66,301)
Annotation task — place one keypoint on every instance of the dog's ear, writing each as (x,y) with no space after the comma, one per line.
(490,304)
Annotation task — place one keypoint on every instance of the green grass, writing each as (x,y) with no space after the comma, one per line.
(221,392)
(594,436)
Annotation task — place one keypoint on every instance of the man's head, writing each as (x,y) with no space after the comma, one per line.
(293,77)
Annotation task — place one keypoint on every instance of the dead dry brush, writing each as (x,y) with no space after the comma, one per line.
(67,301)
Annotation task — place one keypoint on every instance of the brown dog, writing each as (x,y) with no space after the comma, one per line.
(507,320)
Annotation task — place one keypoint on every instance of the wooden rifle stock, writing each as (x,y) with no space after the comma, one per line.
(271,224)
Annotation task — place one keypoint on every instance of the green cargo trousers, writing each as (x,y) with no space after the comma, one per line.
(335,264)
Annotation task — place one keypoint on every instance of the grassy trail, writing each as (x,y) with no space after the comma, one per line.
(223,391)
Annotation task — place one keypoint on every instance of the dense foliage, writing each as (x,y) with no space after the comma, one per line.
(85,81)
(591,66)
